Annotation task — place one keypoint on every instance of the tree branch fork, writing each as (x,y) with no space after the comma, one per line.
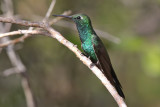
(45,29)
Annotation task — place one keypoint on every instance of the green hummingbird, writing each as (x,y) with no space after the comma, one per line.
(94,48)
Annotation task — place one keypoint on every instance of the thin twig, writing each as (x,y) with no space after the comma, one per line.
(22,22)
(22,38)
(46,16)
(27,90)
(21,32)
(49,10)
(9,71)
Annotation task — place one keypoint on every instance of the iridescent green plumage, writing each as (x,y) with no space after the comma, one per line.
(94,48)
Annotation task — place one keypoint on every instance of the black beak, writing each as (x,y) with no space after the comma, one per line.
(70,17)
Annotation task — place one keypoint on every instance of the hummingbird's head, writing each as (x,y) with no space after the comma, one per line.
(79,19)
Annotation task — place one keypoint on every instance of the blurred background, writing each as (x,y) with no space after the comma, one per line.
(59,79)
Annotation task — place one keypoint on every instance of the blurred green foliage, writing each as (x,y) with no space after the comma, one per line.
(58,78)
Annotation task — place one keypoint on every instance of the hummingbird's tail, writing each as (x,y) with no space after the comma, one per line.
(119,90)
(117,84)
(113,79)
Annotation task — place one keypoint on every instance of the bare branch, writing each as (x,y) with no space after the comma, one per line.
(30,24)
(49,10)
(9,42)
(21,32)
(47,14)
(73,48)
(18,66)
(21,39)
(9,71)
(27,90)
(26,23)
(22,22)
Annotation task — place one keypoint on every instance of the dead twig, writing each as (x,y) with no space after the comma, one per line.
(21,32)
(22,38)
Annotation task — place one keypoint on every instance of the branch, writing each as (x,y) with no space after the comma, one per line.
(49,10)
(27,33)
(73,48)
(18,66)
(33,32)
(10,71)
(27,23)
(22,38)
(22,22)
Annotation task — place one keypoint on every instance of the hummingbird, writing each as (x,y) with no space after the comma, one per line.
(94,48)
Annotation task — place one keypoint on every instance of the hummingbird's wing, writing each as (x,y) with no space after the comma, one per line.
(105,65)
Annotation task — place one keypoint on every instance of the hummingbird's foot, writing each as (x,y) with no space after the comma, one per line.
(91,65)
(85,55)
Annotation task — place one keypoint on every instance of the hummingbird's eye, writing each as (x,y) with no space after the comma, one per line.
(79,17)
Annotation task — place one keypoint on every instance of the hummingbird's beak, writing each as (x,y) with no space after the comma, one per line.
(70,17)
